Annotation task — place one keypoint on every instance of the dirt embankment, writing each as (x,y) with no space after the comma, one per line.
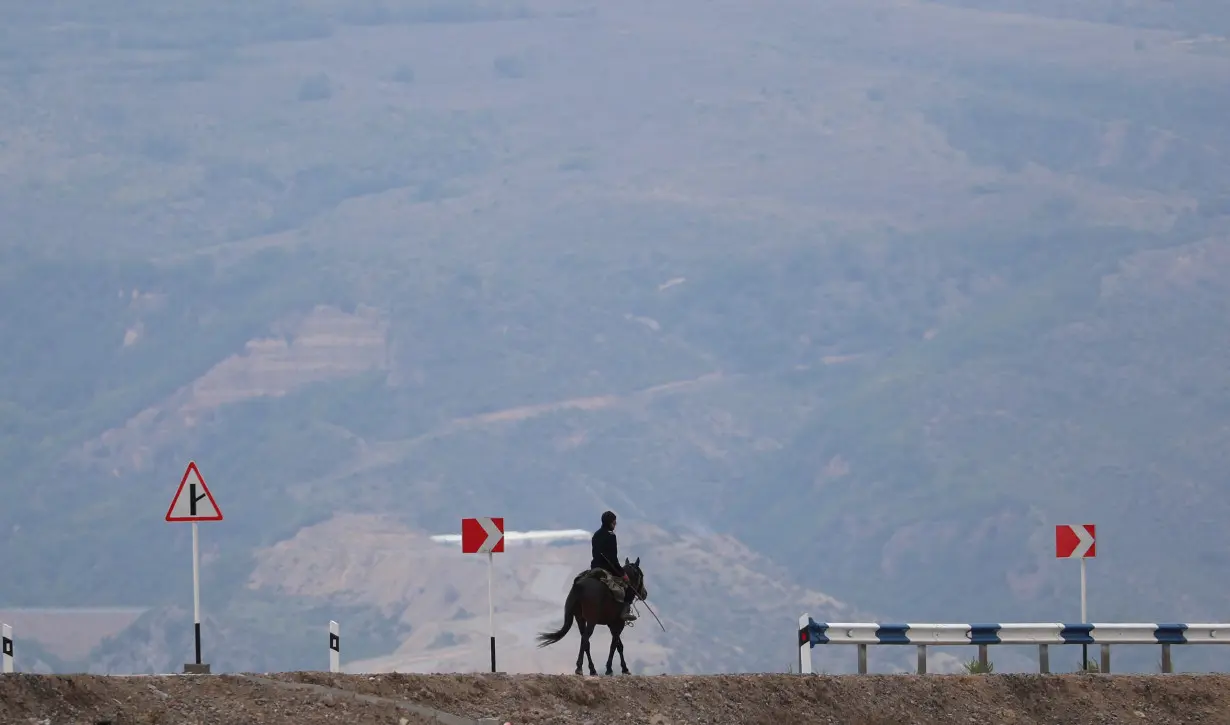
(310,698)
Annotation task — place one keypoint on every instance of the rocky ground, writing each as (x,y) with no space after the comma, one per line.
(310,698)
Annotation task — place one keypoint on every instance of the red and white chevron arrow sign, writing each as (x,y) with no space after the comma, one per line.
(1075,541)
(482,535)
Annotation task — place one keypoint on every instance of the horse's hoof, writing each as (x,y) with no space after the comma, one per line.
(610,672)
(593,673)
(626,672)
(578,670)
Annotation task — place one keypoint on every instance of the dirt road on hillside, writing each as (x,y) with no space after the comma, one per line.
(659,700)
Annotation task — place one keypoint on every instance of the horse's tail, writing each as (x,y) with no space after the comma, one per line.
(570,604)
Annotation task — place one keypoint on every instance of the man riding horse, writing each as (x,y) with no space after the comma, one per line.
(605,556)
(602,596)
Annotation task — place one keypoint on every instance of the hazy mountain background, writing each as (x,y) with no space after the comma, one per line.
(842,306)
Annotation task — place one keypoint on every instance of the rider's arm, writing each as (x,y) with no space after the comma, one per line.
(610,551)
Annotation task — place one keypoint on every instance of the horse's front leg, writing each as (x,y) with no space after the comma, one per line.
(617,644)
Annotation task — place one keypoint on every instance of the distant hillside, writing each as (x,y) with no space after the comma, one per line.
(863,296)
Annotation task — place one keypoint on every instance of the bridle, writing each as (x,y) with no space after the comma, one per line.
(641,577)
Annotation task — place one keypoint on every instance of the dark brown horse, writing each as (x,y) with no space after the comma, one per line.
(591,603)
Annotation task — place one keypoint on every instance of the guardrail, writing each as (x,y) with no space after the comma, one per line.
(1042,634)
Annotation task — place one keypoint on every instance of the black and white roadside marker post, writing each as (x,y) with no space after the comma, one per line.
(335,647)
(198,505)
(485,535)
(6,648)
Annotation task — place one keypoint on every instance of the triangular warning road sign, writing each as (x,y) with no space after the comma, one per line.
(198,504)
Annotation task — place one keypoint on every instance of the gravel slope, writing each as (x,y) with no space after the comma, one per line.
(167,700)
(660,700)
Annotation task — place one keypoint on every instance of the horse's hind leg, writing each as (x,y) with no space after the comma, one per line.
(610,657)
(589,632)
(584,640)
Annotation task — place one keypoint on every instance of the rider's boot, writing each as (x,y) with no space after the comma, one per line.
(626,612)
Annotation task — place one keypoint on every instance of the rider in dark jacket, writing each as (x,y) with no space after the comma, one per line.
(605,552)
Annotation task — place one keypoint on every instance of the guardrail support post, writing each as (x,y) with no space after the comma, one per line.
(1104,665)
(922,659)
(1044,659)
(982,656)
(1167,664)
(862,659)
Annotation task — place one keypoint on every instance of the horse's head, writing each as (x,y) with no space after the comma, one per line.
(636,577)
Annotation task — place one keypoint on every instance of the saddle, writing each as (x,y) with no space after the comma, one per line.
(612,582)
